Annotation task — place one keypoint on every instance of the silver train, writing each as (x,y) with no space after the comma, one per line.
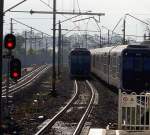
(125,66)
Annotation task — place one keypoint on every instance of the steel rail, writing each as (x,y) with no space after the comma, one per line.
(12,91)
(29,75)
(24,77)
(52,121)
(87,112)
(27,83)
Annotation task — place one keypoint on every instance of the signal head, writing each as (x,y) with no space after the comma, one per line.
(10,41)
(15,69)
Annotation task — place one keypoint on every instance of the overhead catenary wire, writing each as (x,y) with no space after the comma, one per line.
(30,27)
(46,4)
(61,15)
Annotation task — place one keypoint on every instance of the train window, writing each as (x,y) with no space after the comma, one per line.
(138,64)
(93,60)
(102,59)
(114,60)
(97,58)
(73,58)
(128,63)
(105,68)
(147,63)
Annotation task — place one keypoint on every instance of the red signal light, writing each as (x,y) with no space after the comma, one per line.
(10,41)
(10,44)
(15,69)
(15,74)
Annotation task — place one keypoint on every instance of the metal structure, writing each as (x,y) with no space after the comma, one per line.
(1,43)
(54,42)
(134,111)
(62,13)
(59,49)
(2,13)
(54,13)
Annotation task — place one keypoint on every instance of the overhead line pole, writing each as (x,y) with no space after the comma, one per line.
(59,49)
(124,32)
(54,42)
(1,44)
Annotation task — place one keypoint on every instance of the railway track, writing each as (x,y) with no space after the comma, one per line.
(24,81)
(71,107)
(23,73)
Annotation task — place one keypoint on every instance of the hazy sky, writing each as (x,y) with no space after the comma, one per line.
(114,10)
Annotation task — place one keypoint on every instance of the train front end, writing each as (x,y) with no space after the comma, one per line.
(79,63)
(136,69)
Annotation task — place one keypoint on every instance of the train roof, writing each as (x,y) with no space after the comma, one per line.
(104,49)
(118,48)
(80,51)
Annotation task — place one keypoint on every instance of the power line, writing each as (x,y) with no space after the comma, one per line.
(46,4)
(14,6)
(117,24)
(61,15)
(30,27)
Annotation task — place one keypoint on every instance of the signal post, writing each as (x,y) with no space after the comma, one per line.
(13,65)
(1,43)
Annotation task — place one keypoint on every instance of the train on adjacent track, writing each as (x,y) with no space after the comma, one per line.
(124,66)
(80,63)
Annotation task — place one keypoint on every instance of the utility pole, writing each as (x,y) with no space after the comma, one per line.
(25,44)
(59,48)
(35,45)
(100,39)
(39,45)
(31,39)
(62,41)
(11,26)
(46,49)
(108,37)
(124,32)
(86,39)
(54,35)
(1,44)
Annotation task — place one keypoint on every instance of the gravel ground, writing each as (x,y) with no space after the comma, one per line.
(106,110)
(40,102)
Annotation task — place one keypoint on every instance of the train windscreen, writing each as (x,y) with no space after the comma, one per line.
(80,63)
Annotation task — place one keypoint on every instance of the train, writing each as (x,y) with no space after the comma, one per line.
(125,67)
(80,63)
